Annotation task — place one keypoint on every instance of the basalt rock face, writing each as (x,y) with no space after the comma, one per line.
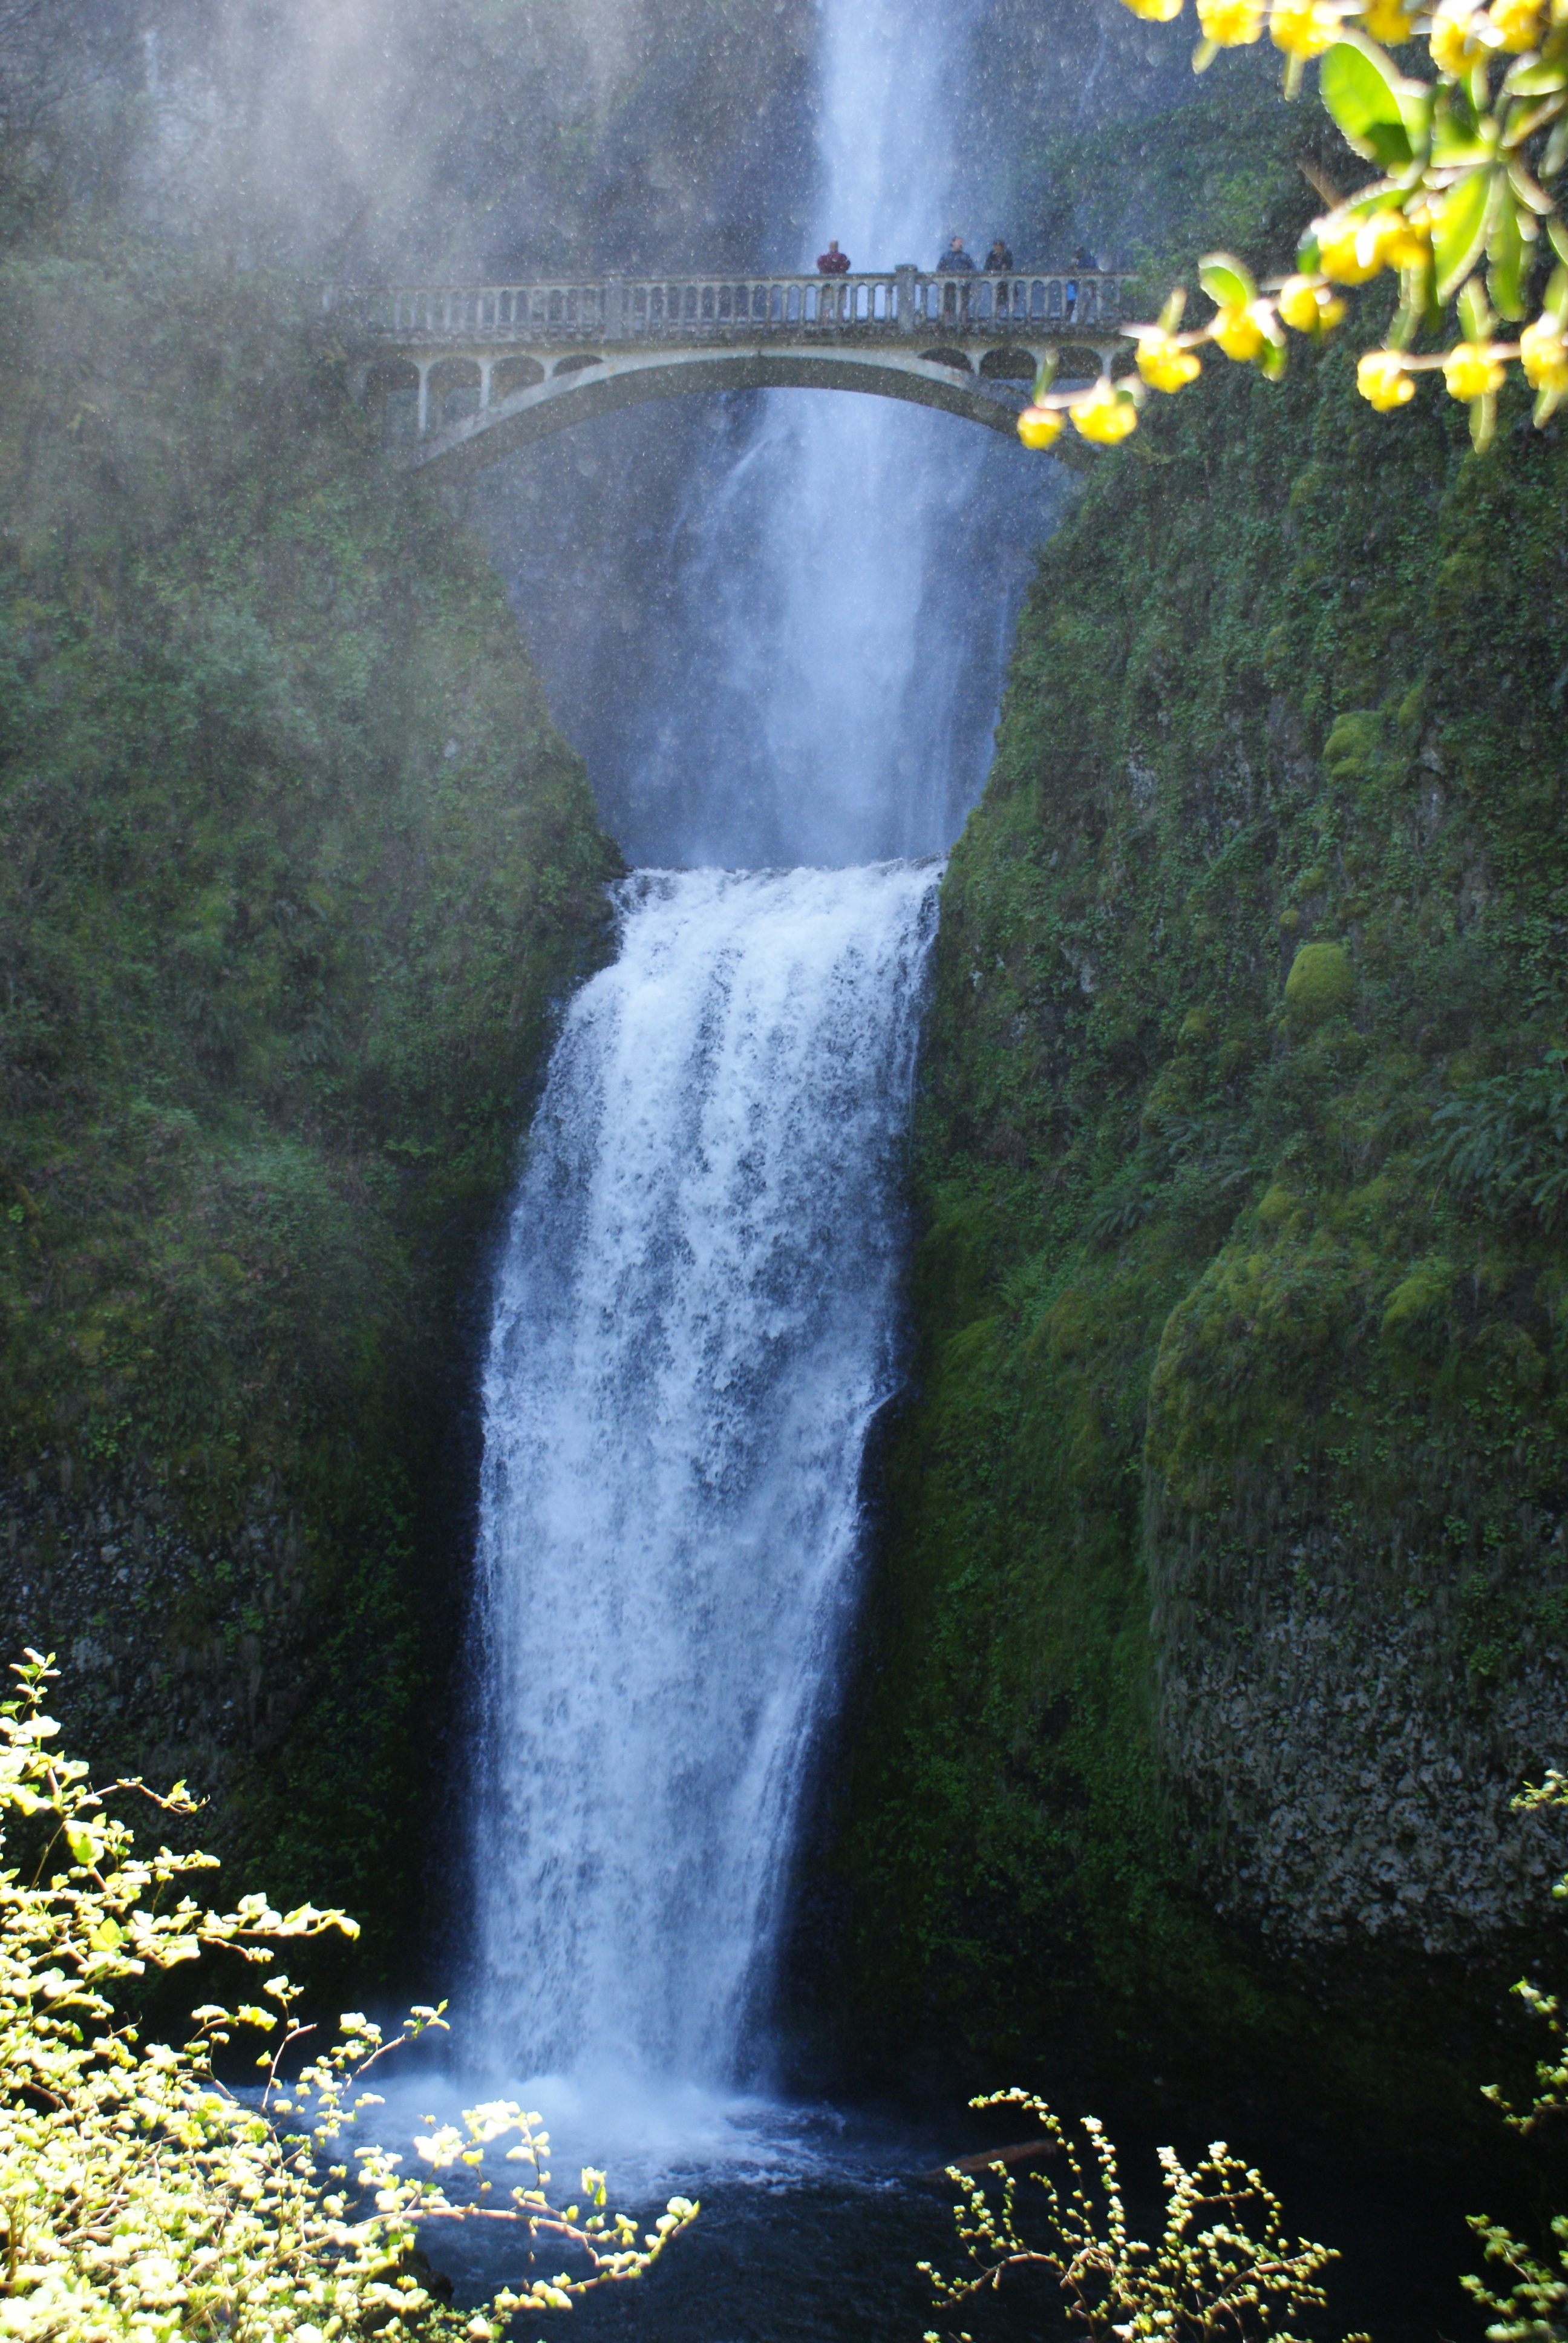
(1220,1605)
(295,870)
(1340,1779)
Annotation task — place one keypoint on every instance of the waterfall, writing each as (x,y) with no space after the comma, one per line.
(859,498)
(696,1310)
(693,1328)
(819,626)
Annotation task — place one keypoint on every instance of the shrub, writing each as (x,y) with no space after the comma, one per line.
(1224,2264)
(142,2197)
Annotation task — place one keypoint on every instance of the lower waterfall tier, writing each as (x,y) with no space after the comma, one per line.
(694,1326)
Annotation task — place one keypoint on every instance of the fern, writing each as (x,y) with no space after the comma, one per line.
(1506,1140)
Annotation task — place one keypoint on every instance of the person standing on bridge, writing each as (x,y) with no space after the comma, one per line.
(999,263)
(833,263)
(956,262)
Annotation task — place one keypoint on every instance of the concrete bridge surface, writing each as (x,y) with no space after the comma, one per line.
(465,373)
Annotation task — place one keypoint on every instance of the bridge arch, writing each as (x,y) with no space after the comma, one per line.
(601,386)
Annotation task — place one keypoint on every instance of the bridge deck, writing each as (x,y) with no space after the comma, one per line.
(464,373)
(716,310)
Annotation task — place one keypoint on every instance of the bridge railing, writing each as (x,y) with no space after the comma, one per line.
(707,308)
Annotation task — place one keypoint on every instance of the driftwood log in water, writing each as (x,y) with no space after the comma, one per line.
(1019,2153)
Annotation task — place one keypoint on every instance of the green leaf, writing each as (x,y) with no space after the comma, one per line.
(1456,134)
(1474,317)
(1533,198)
(1535,80)
(82,1843)
(1272,360)
(1458,238)
(1483,421)
(1359,88)
(1507,256)
(1228,282)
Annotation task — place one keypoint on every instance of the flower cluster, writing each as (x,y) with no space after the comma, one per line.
(1104,414)
(141,2201)
(1463,210)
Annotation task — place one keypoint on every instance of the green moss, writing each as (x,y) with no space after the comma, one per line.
(1278,740)
(295,870)
(1321,981)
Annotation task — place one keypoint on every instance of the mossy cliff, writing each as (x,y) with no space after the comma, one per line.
(294,867)
(1222,1599)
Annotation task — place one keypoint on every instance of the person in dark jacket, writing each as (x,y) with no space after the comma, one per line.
(999,260)
(833,263)
(955,261)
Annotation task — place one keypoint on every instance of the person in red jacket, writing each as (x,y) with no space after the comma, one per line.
(833,263)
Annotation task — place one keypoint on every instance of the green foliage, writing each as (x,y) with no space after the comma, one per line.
(1535,2306)
(1187,1295)
(1507,1139)
(1223,2265)
(140,2195)
(1469,163)
(294,870)
(1321,981)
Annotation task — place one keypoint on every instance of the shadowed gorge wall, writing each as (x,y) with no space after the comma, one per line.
(1220,1604)
(295,870)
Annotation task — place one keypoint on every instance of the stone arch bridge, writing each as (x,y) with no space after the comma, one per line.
(465,373)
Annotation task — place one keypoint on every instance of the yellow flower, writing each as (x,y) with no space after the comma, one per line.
(1230,23)
(1543,354)
(1517,23)
(1382,379)
(1164,364)
(1105,414)
(1351,251)
(1469,371)
(1309,304)
(1156,12)
(1388,21)
(1347,254)
(1303,28)
(1040,427)
(1450,37)
(1240,331)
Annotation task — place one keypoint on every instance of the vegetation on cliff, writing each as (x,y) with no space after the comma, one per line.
(1223,1592)
(294,869)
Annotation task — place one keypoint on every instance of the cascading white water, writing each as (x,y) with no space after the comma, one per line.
(695,1312)
(693,1329)
(843,636)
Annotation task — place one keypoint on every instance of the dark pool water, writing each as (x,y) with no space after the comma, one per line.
(815,2217)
